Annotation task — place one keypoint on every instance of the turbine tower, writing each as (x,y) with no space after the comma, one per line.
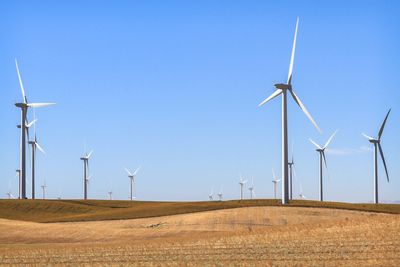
(283,88)
(321,151)
(291,163)
(24,110)
(110,194)
(251,189)
(34,145)
(275,181)
(242,183)
(377,145)
(44,189)
(85,159)
(132,177)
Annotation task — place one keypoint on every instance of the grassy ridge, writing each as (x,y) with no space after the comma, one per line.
(92,210)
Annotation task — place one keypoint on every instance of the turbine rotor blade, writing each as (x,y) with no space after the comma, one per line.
(129,173)
(383,125)
(31,123)
(289,81)
(90,153)
(40,105)
(330,139)
(304,109)
(274,94)
(383,159)
(368,137)
(20,82)
(137,170)
(326,165)
(40,148)
(315,144)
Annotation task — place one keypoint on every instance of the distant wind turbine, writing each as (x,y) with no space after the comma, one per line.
(24,110)
(251,189)
(44,190)
(377,145)
(110,194)
(132,176)
(291,163)
(283,88)
(301,195)
(321,151)
(34,145)
(211,195)
(242,183)
(275,181)
(85,160)
(220,194)
(18,174)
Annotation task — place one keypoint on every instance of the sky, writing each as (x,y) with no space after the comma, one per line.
(174,87)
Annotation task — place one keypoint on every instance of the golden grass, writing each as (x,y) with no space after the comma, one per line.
(91,210)
(253,236)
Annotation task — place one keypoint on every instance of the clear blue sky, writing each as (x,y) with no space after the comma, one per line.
(174,86)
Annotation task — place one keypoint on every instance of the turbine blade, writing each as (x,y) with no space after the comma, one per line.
(137,170)
(384,162)
(40,105)
(315,144)
(368,137)
(303,108)
(289,81)
(383,125)
(20,82)
(273,174)
(326,165)
(40,148)
(31,123)
(330,139)
(274,94)
(127,171)
(90,153)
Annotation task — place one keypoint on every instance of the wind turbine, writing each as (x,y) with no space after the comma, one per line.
(251,189)
(18,174)
(34,145)
(85,159)
(321,151)
(110,194)
(242,183)
(282,89)
(211,195)
(275,181)
(44,189)
(220,194)
(24,110)
(301,195)
(377,145)
(132,177)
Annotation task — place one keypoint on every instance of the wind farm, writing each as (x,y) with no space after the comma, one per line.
(178,170)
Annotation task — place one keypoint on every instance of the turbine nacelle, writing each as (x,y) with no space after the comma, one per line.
(283,86)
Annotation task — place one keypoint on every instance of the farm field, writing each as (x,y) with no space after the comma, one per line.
(262,235)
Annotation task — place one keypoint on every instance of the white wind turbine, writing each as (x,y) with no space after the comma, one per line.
(275,181)
(242,183)
(377,145)
(110,194)
(251,189)
(321,151)
(24,110)
(34,145)
(301,195)
(18,174)
(220,194)
(44,186)
(132,177)
(282,89)
(85,160)
(211,195)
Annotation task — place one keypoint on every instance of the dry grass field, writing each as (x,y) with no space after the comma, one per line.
(199,234)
